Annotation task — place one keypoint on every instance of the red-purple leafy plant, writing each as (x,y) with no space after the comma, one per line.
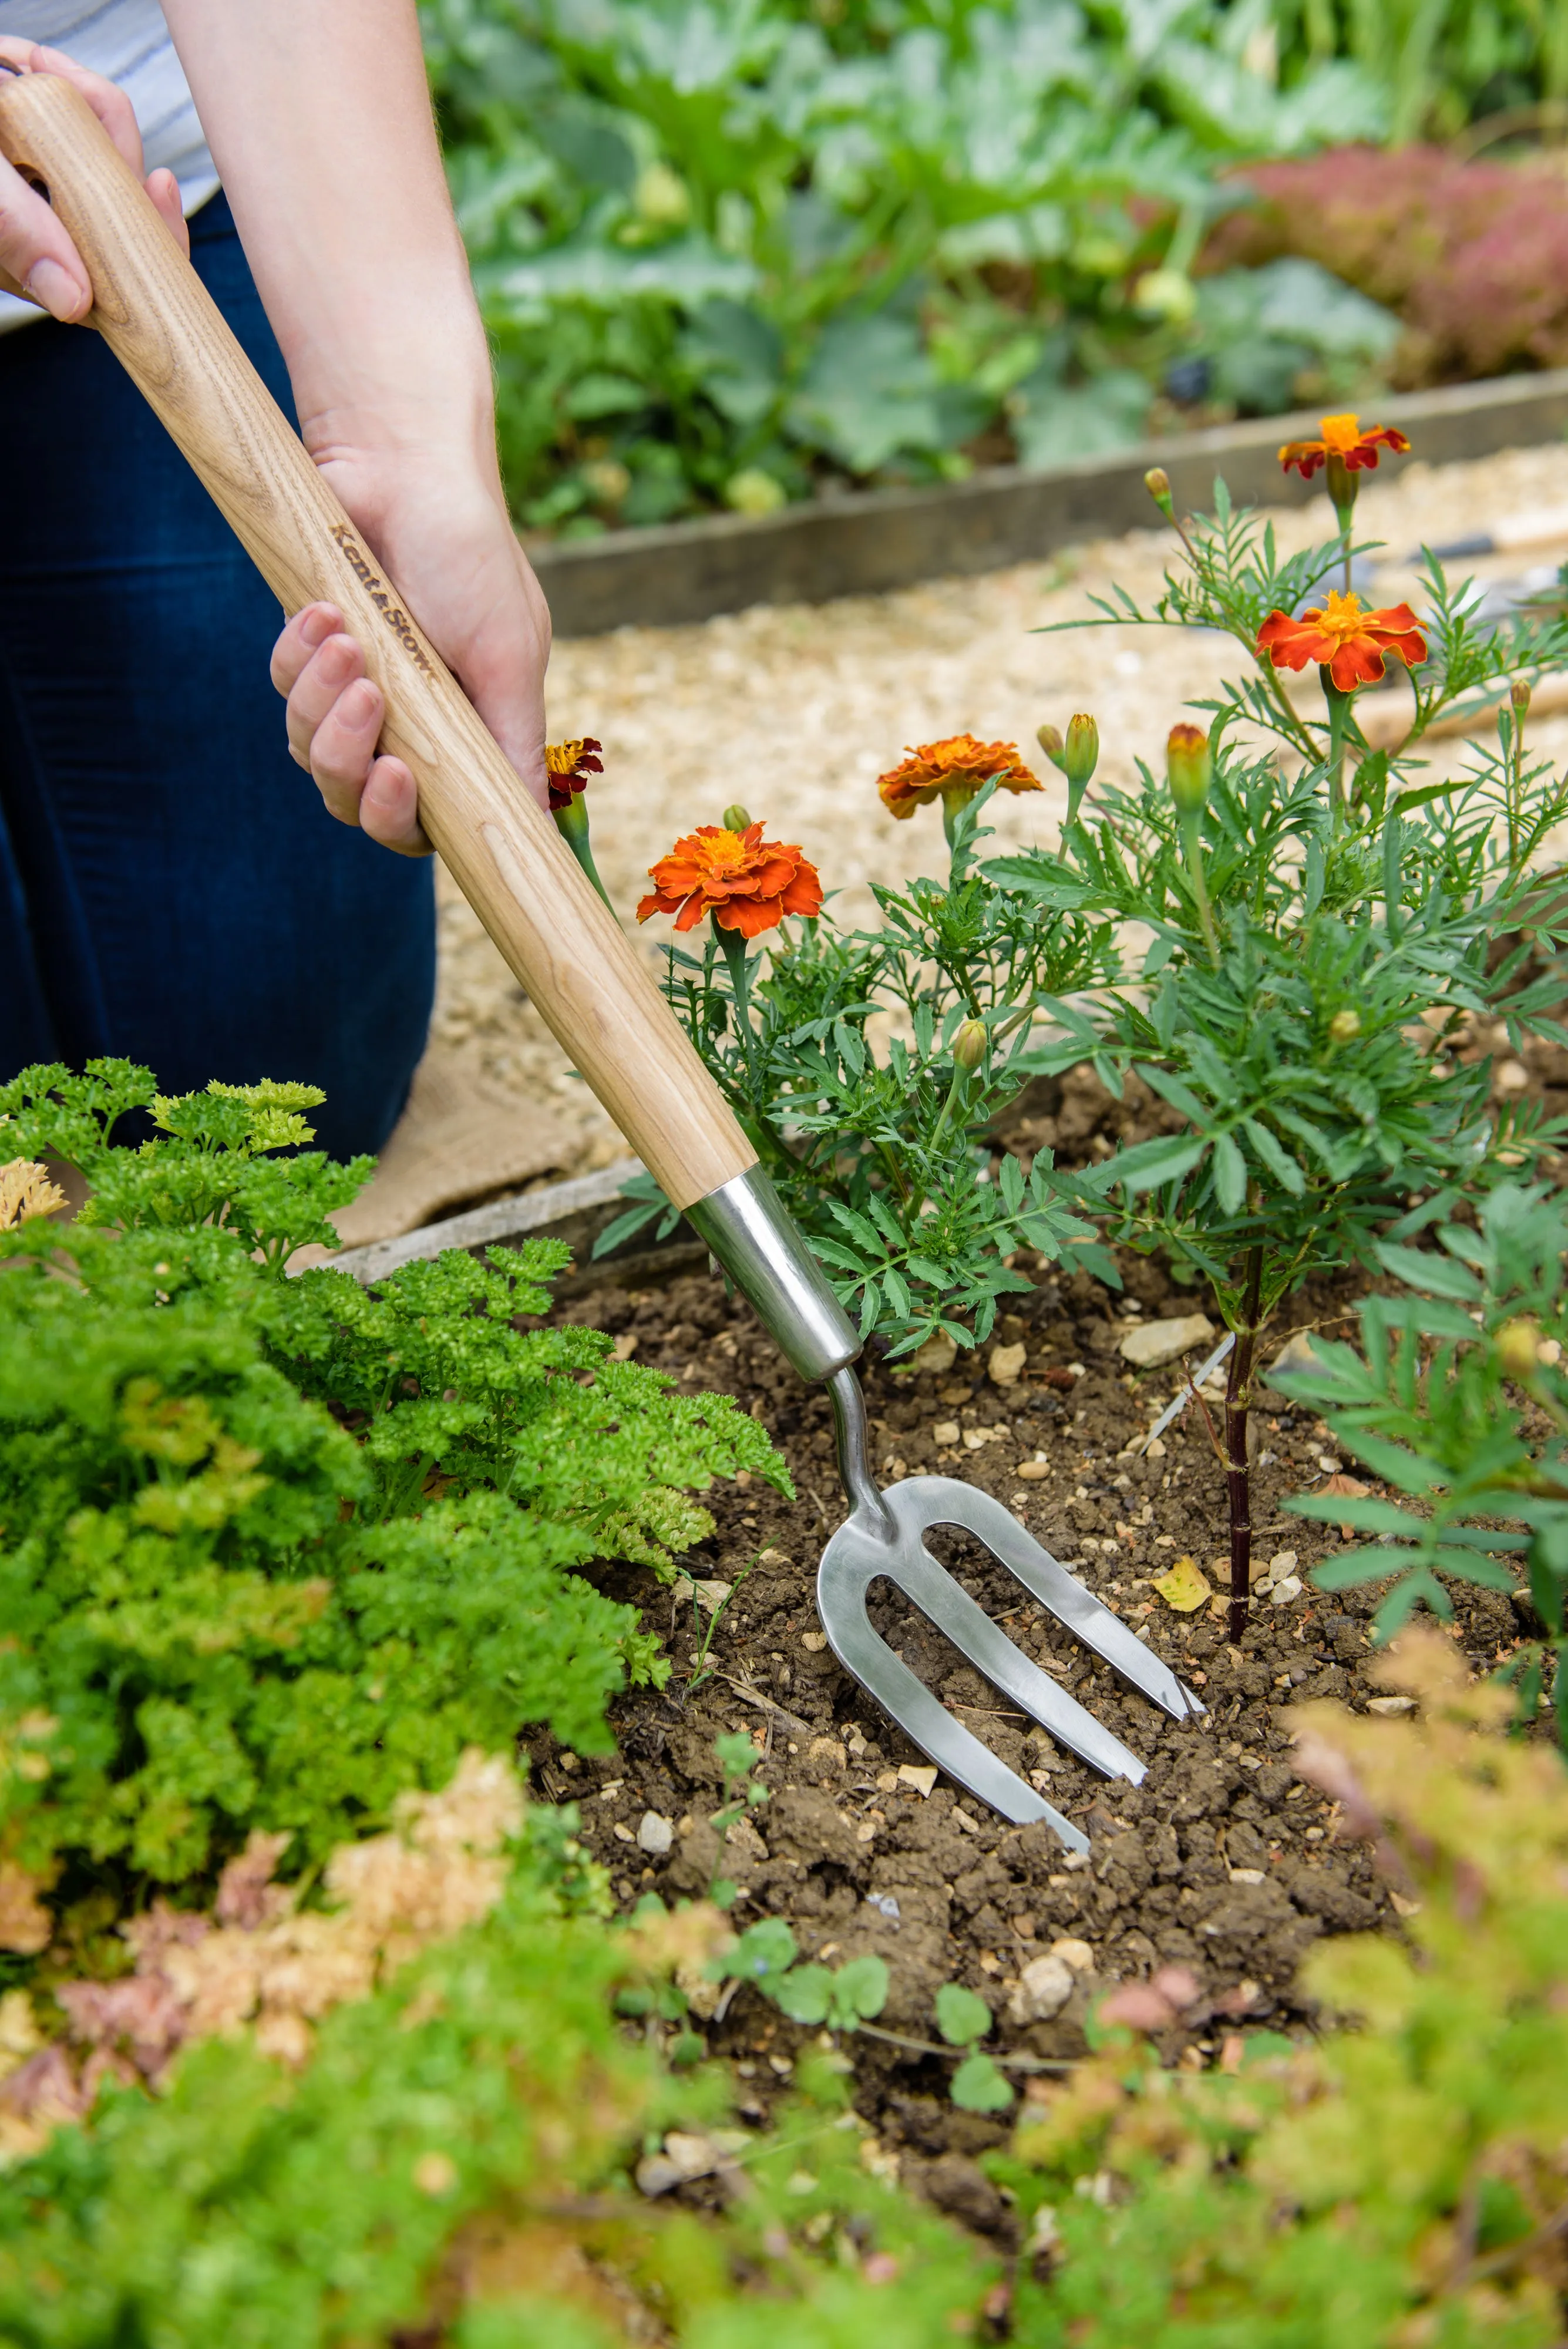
(1473,257)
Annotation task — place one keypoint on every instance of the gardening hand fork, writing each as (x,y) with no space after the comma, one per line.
(573,962)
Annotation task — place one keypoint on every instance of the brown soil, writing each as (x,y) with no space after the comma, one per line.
(1222,1862)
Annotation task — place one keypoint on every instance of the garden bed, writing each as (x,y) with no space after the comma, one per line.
(868,542)
(1223,1861)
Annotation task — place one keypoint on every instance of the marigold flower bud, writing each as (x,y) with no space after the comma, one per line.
(1157,482)
(1519,693)
(1050,740)
(735,819)
(1516,1343)
(1344,1027)
(1188,765)
(1083,750)
(969,1044)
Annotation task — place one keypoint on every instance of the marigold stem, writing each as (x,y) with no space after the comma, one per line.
(1341,488)
(1238,1472)
(1338,711)
(733,947)
(1192,842)
(572,824)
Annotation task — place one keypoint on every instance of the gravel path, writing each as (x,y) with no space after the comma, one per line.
(795,710)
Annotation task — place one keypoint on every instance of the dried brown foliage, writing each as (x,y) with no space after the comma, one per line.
(259,1961)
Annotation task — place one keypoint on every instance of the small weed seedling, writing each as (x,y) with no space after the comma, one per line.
(963,2019)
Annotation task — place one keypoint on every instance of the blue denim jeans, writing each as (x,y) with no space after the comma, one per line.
(171,888)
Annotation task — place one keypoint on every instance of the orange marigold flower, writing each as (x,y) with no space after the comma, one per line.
(1344,438)
(569,765)
(953,771)
(747,884)
(1349,643)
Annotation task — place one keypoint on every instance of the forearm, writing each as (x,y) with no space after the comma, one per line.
(319,116)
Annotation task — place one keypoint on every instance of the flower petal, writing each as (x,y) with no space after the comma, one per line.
(1289,644)
(1357,662)
(749,917)
(1303,457)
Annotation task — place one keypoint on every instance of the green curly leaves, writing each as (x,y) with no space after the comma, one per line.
(437,1381)
(207,1164)
(273,1550)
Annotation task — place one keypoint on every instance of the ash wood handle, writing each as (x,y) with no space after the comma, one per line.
(503,850)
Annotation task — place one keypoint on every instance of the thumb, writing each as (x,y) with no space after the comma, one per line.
(38,258)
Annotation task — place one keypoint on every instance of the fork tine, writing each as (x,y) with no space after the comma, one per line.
(944,1501)
(922,1717)
(971,1630)
(883,1536)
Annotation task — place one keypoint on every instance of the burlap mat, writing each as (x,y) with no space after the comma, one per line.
(463,1138)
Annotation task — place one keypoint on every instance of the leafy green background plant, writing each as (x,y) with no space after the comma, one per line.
(1392,2183)
(1316,926)
(273,1549)
(724,251)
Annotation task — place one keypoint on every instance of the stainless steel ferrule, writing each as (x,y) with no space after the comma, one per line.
(749,1232)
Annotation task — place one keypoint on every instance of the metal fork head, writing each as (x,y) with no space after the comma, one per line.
(884,1536)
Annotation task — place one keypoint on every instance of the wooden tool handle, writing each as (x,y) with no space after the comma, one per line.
(505,851)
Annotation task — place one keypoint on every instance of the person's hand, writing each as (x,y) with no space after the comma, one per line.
(437,523)
(37,259)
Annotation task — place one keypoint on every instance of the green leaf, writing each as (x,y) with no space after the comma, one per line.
(1146,1164)
(764,1951)
(1433,1275)
(625,1228)
(961,2014)
(1229,1175)
(1278,1161)
(803,1995)
(978,2087)
(859,1992)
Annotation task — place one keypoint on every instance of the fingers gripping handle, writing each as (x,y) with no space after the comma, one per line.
(503,850)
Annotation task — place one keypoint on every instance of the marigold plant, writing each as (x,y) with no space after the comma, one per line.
(879,1142)
(568,766)
(1321,916)
(1353,646)
(1343,442)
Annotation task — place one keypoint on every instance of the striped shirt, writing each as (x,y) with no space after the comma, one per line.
(128,42)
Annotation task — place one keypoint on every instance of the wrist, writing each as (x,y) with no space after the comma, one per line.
(396,484)
(408,375)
